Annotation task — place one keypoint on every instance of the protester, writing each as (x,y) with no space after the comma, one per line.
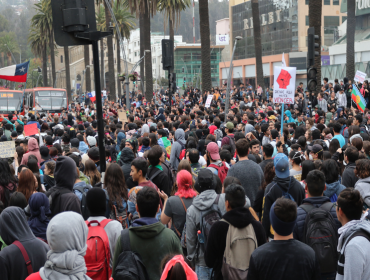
(40,210)
(8,183)
(67,235)
(16,233)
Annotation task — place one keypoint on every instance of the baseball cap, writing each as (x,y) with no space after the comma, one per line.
(91,140)
(212,148)
(315,149)
(229,125)
(75,143)
(44,152)
(341,89)
(93,153)
(281,164)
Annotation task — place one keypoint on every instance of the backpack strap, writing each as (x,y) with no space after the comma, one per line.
(102,224)
(125,240)
(26,258)
(214,166)
(155,174)
(307,207)
(327,206)
(216,200)
(183,204)
(342,260)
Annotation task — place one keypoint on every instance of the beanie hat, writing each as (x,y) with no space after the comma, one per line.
(280,227)
(96,202)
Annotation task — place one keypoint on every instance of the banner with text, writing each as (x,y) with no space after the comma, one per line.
(208,101)
(284,84)
(7,149)
(222,40)
(360,77)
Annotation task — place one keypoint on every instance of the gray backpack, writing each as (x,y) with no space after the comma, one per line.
(240,244)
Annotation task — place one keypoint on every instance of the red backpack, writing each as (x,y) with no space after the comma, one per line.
(222,171)
(97,256)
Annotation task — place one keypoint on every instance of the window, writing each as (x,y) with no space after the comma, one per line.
(331,21)
(326,2)
(134,44)
(135,53)
(336,2)
(307,2)
(344,19)
(61,59)
(307,21)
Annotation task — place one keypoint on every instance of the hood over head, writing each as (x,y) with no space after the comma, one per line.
(180,136)
(161,110)
(67,235)
(328,116)
(65,173)
(33,145)
(127,155)
(13,225)
(120,137)
(39,207)
(345,80)
(338,111)
(144,129)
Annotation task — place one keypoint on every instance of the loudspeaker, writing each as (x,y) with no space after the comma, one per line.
(167,54)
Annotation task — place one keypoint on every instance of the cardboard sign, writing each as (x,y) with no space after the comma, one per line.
(360,77)
(30,129)
(122,115)
(209,100)
(7,149)
(284,84)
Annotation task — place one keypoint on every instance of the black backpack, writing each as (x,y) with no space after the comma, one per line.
(321,234)
(129,265)
(84,210)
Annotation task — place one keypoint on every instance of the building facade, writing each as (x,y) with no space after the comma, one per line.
(337,52)
(188,63)
(284,25)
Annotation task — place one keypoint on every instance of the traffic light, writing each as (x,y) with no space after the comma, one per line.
(184,80)
(134,82)
(313,50)
(182,70)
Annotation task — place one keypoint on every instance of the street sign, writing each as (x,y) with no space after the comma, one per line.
(222,40)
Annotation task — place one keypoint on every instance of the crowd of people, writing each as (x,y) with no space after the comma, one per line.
(189,191)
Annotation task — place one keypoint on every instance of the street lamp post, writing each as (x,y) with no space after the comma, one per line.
(237,38)
(11,53)
(39,71)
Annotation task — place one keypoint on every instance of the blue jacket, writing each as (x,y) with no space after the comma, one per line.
(301,215)
(83,147)
(333,188)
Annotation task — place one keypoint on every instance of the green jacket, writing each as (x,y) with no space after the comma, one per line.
(152,242)
(84,178)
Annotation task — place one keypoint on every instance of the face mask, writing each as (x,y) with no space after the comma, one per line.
(310,157)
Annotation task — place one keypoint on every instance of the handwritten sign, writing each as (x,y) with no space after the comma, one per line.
(360,76)
(122,116)
(7,149)
(208,101)
(30,129)
(284,84)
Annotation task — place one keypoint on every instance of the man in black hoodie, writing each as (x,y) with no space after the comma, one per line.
(282,185)
(349,177)
(61,196)
(14,227)
(238,216)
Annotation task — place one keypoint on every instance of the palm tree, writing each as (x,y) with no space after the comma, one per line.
(100,24)
(351,26)
(314,14)
(87,62)
(38,45)
(172,11)
(258,44)
(206,45)
(8,45)
(43,21)
(68,73)
(126,24)
(145,9)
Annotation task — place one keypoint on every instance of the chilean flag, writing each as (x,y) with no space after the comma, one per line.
(15,73)
(92,96)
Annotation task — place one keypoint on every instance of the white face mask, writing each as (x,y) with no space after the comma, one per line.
(310,157)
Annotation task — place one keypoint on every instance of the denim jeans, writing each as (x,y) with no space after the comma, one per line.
(203,272)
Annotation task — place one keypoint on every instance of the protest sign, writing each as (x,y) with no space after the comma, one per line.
(30,129)
(360,77)
(208,101)
(7,149)
(284,84)
(122,115)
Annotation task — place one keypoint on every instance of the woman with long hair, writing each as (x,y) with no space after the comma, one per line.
(115,186)
(8,183)
(176,206)
(153,139)
(27,183)
(91,171)
(307,166)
